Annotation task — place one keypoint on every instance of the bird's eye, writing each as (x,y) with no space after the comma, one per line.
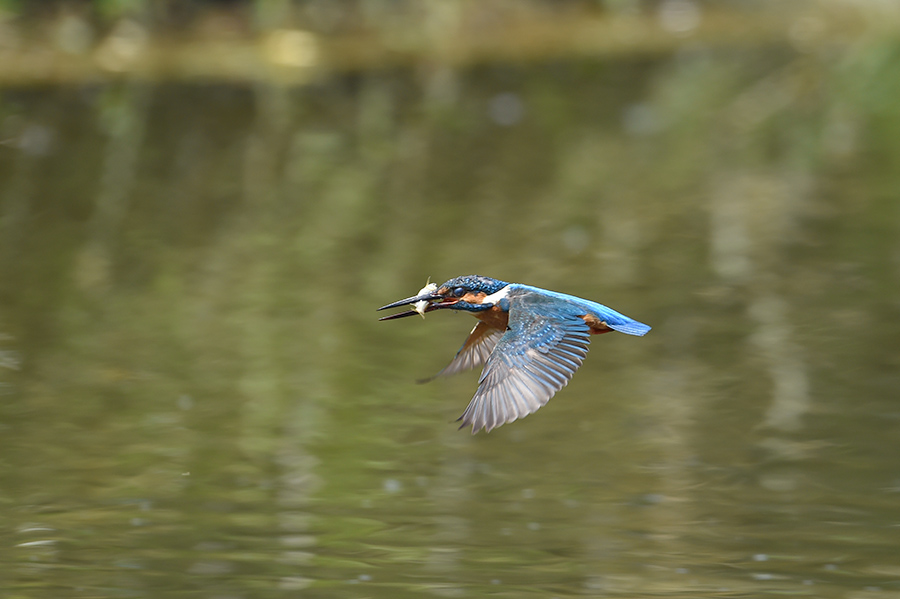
(459,292)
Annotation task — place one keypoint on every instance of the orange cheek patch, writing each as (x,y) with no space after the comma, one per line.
(598,327)
(473,298)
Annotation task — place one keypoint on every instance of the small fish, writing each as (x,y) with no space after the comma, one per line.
(421,305)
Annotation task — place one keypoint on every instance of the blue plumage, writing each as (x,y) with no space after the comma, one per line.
(571,304)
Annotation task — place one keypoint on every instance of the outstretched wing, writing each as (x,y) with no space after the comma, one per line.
(474,351)
(533,360)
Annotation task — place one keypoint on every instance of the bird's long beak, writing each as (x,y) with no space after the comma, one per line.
(427,297)
(401,314)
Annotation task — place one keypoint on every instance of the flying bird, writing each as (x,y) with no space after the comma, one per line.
(530,341)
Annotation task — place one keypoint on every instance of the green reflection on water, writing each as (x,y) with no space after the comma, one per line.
(198,398)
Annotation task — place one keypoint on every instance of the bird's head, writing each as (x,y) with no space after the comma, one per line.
(471,293)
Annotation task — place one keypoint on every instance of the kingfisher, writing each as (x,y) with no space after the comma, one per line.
(529,340)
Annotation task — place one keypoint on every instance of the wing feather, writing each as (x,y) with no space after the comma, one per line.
(474,352)
(529,363)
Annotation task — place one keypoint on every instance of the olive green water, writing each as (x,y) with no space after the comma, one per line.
(197,399)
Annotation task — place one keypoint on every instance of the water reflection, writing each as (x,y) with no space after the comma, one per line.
(197,396)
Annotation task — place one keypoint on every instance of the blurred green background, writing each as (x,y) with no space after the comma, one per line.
(203,203)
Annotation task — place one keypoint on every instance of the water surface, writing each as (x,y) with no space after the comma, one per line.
(199,401)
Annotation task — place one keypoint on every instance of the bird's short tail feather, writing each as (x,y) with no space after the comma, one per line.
(630,328)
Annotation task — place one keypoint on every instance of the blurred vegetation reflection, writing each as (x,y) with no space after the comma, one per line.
(195,394)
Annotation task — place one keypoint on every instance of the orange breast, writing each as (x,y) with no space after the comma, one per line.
(494,318)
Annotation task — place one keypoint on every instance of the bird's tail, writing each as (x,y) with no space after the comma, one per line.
(629,327)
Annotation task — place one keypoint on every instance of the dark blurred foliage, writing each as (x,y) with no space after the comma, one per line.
(328,16)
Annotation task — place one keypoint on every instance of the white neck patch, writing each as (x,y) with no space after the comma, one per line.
(494,298)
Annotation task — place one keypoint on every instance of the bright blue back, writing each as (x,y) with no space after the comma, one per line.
(575,306)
